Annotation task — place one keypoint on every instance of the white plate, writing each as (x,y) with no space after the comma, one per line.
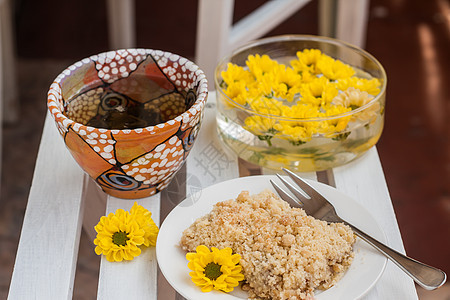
(366,269)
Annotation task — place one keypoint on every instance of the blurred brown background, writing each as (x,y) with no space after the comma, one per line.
(410,38)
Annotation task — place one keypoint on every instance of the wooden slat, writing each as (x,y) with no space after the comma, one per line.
(135,279)
(209,162)
(363,180)
(351,21)
(306,175)
(214,19)
(48,248)
(121,24)
(327,17)
(262,20)
(217,36)
(94,206)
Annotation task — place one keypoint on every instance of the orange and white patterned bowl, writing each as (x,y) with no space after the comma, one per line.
(140,161)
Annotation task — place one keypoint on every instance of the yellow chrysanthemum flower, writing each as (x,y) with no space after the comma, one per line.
(307,61)
(301,111)
(307,77)
(238,92)
(259,125)
(332,126)
(314,86)
(267,106)
(265,86)
(354,98)
(371,86)
(259,65)
(293,133)
(288,83)
(318,92)
(119,236)
(236,73)
(334,69)
(216,269)
(144,219)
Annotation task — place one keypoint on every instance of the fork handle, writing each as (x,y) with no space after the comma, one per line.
(428,277)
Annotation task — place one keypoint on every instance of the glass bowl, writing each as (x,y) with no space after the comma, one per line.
(299,108)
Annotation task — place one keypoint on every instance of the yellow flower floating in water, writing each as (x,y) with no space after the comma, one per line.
(313,86)
(120,234)
(216,269)
(307,61)
(354,98)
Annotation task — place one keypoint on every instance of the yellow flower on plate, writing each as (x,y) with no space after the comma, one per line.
(216,269)
(144,219)
(119,236)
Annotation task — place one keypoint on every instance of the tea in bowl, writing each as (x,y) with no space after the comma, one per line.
(129,117)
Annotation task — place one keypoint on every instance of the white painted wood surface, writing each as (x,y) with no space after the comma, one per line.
(262,20)
(121,24)
(351,21)
(48,247)
(135,279)
(216,34)
(363,180)
(209,162)
(214,19)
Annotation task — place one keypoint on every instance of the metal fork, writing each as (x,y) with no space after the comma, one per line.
(318,206)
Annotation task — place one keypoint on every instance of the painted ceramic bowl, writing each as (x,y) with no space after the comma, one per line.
(306,103)
(129,117)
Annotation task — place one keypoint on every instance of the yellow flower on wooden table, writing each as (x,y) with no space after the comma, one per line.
(121,234)
(144,219)
(215,269)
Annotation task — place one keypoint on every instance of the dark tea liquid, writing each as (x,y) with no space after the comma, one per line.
(128,109)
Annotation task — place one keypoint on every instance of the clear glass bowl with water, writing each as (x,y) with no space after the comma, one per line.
(355,131)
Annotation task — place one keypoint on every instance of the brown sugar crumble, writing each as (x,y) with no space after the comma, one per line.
(285,254)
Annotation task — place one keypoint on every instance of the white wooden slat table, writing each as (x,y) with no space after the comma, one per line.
(62,200)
